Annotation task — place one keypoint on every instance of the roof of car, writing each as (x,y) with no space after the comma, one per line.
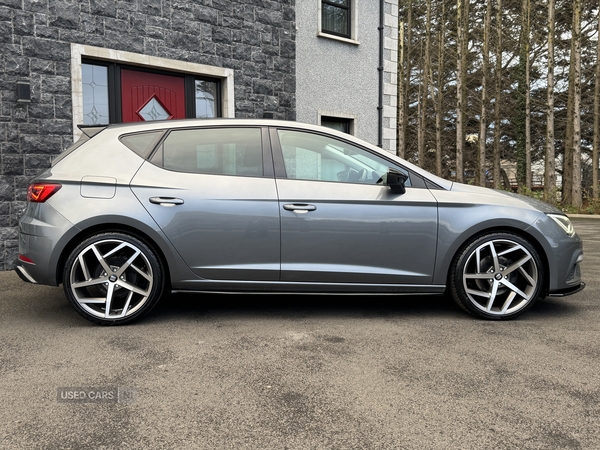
(178,123)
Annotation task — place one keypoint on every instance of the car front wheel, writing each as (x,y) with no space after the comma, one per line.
(113,278)
(497,276)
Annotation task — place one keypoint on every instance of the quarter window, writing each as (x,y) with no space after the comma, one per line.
(142,143)
(321,158)
(222,151)
(335,17)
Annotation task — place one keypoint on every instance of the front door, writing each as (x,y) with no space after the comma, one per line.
(339,224)
(151,96)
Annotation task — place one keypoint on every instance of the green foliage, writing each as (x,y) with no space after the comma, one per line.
(537,194)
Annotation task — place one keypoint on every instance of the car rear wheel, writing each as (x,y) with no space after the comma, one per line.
(497,276)
(113,278)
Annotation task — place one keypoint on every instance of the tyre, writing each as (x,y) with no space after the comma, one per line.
(113,278)
(498,276)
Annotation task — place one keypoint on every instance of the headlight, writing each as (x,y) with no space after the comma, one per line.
(563,222)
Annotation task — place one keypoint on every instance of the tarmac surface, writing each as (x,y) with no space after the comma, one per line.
(302,372)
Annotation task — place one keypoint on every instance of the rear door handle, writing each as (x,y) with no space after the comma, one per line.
(301,208)
(166,201)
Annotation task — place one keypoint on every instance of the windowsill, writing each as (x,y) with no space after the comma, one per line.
(338,38)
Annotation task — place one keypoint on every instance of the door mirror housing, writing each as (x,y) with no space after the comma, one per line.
(395,180)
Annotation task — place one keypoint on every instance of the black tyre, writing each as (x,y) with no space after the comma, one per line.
(113,278)
(498,276)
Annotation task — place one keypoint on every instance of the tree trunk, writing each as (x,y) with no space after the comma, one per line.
(401,131)
(420,119)
(595,150)
(567,175)
(498,95)
(425,86)
(460,87)
(528,99)
(550,170)
(484,101)
(408,72)
(577,194)
(440,96)
(521,114)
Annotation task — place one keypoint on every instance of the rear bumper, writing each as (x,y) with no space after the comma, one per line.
(21,270)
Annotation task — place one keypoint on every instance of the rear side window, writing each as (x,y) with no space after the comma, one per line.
(142,143)
(221,151)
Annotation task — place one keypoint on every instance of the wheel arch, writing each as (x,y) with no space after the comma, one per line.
(467,237)
(118,227)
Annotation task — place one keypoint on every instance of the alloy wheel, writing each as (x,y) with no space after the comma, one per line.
(500,277)
(111,279)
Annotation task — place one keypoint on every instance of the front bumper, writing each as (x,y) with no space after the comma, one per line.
(568,291)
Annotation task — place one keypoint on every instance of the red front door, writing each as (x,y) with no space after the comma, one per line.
(150,96)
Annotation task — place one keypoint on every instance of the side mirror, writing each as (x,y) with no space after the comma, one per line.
(395,180)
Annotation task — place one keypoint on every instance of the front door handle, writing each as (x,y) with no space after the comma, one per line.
(166,201)
(301,208)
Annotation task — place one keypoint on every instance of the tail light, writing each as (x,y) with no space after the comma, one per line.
(40,192)
(25,259)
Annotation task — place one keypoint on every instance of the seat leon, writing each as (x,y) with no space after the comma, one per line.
(133,211)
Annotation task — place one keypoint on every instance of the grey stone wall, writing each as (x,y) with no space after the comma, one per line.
(256,38)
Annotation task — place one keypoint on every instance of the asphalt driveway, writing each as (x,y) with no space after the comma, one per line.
(302,372)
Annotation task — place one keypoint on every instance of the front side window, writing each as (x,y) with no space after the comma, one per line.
(335,17)
(320,158)
(221,151)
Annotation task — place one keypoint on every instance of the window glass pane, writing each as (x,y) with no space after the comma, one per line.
(224,151)
(335,19)
(342,125)
(95,94)
(313,157)
(206,99)
(154,110)
(142,143)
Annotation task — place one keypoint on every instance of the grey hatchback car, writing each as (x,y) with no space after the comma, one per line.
(131,211)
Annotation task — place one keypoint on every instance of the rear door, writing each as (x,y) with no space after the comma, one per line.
(212,192)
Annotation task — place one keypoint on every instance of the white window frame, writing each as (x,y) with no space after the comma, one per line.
(79,51)
(353,24)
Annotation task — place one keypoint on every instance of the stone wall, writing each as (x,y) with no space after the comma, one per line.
(255,38)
